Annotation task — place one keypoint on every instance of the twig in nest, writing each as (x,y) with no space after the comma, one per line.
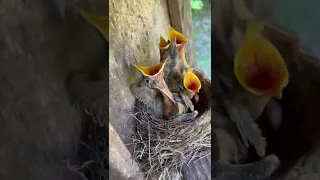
(77,169)
(170,144)
(149,144)
(96,151)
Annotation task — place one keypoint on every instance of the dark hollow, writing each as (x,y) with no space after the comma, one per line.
(294,139)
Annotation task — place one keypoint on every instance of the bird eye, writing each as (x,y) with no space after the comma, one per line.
(147,81)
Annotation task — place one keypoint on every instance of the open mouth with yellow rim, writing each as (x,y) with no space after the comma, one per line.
(260,68)
(180,38)
(163,44)
(151,71)
(155,73)
(191,82)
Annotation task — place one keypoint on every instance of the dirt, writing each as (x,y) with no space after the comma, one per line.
(41,41)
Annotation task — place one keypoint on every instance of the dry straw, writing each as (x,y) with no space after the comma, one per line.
(161,146)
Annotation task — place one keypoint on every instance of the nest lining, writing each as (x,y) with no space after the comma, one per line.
(161,146)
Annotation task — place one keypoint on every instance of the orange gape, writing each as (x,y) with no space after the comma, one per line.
(181,40)
(259,66)
(179,37)
(155,73)
(191,82)
(151,71)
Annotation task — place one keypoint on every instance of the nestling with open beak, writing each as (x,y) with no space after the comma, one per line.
(153,77)
(163,45)
(171,54)
(173,49)
(179,40)
(155,100)
(258,65)
(261,71)
(175,84)
(192,84)
(166,49)
(186,88)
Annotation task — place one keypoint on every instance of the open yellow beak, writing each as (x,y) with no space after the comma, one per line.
(191,82)
(260,68)
(180,39)
(155,73)
(100,22)
(163,43)
(162,86)
(151,71)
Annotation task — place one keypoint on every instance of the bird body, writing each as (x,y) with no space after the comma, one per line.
(171,54)
(155,103)
(151,98)
(153,78)
(175,84)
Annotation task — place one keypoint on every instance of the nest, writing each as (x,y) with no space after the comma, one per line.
(93,150)
(161,147)
(94,153)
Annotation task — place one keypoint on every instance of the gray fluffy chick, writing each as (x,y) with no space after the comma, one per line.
(172,56)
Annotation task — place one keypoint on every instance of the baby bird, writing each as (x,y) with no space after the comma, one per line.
(150,97)
(153,78)
(258,65)
(171,54)
(174,82)
(160,105)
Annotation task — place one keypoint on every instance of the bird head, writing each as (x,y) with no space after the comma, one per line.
(191,82)
(153,78)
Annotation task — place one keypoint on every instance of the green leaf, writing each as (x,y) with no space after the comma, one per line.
(196,4)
